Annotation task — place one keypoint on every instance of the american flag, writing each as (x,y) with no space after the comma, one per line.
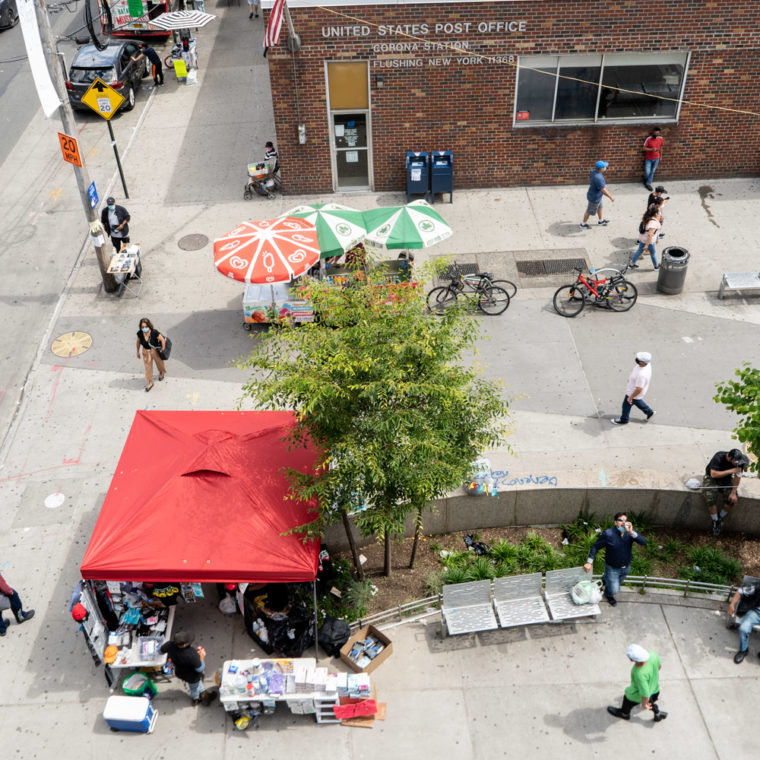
(272,35)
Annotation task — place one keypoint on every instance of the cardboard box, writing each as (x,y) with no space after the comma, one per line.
(360,636)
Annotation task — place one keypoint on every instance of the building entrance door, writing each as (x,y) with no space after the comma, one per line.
(351,150)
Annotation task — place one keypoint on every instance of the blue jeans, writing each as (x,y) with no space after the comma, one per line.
(652,247)
(196,689)
(625,412)
(749,620)
(650,165)
(613,577)
(16,607)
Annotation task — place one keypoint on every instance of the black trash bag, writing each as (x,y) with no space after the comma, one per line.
(326,572)
(290,637)
(478,547)
(333,634)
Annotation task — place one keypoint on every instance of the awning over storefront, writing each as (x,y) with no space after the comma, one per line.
(201,497)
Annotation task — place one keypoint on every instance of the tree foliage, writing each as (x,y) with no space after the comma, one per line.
(386,392)
(742,396)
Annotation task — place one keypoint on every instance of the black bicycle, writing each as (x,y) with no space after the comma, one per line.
(490,298)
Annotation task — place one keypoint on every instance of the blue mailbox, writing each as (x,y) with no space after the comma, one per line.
(417,173)
(442,174)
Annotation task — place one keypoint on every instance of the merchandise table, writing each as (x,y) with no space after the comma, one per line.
(126,265)
(306,688)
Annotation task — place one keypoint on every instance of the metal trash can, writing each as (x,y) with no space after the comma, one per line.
(675,262)
(442,174)
(417,173)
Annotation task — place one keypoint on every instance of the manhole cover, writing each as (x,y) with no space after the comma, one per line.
(71,344)
(193,242)
(543,267)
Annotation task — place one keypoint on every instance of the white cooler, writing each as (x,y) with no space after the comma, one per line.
(130,714)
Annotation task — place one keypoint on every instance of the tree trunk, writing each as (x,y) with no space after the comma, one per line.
(352,545)
(387,566)
(417,531)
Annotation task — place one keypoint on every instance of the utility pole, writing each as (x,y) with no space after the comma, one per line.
(69,127)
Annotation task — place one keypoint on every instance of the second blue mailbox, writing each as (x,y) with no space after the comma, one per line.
(442,174)
(417,173)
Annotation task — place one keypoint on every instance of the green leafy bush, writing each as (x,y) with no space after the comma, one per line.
(457,559)
(640,564)
(481,569)
(454,575)
(434,583)
(535,554)
(503,551)
(710,565)
(506,567)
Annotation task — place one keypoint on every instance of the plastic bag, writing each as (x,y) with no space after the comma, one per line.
(333,634)
(587,592)
(227,606)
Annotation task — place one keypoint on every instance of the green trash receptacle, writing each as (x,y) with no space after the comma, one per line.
(675,262)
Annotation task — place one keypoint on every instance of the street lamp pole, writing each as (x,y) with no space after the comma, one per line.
(69,127)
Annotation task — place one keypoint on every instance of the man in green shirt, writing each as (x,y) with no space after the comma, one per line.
(645,684)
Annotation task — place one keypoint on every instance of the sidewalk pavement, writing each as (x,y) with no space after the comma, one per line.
(542,689)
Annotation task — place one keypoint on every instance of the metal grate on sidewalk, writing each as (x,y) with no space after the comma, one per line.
(547,267)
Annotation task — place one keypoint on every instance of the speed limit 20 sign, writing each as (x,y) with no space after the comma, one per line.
(70,149)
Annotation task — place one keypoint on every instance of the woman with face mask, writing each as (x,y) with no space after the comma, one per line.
(150,340)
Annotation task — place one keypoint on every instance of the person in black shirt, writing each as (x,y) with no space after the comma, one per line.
(189,664)
(151,341)
(618,544)
(155,61)
(720,483)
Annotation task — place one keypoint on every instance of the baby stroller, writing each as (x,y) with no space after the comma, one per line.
(262,180)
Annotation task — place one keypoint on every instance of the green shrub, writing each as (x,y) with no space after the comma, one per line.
(665,552)
(453,575)
(710,565)
(641,521)
(457,559)
(359,595)
(577,553)
(506,567)
(640,564)
(434,584)
(481,569)
(580,527)
(435,547)
(535,554)
(503,551)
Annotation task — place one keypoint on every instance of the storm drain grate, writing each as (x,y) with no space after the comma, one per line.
(448,273)
(543,267)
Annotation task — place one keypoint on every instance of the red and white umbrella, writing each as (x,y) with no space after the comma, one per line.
(268,252)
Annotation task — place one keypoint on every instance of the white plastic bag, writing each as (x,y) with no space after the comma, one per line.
(587,592)
(227,606)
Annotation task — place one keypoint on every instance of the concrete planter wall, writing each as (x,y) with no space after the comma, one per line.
(544,507)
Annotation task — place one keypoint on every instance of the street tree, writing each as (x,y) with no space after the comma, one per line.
(389,396)
(742,396)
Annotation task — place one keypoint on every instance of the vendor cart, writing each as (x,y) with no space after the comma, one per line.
(282,302)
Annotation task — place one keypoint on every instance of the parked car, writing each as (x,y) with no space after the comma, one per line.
(114,66)
(8,14)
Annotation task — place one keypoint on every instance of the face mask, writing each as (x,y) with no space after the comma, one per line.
(145,329)
(621,528)
(111,208)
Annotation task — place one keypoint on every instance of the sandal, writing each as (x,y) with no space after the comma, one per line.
(148,387)
(161,377)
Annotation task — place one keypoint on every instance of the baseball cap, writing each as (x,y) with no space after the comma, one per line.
(602,164)
(110,200)
(79,612)
(183,637)
(660,189)
(644,356)
(109,655)
(739,458)
(637,653)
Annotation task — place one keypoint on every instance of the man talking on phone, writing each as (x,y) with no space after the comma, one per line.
(618,544)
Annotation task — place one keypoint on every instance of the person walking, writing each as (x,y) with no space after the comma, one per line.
(636,389)
(720,484)
(652,153)
(253,7)
(189,664)
(645,684)
(9,599)
(150,340)
(747,601)
(649,231)
(115,221)
(617,543)
(157,69)
(596,191)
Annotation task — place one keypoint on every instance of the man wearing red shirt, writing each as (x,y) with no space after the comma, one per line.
(14,604)
(652,148)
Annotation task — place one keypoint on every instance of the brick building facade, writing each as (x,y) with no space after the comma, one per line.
(594,77)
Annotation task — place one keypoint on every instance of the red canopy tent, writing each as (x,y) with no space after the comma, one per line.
(201,497)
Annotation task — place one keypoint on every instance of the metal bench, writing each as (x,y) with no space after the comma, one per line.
(558,586)
(739,281)
(518,600)
(467,607)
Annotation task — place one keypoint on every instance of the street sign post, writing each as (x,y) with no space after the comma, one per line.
(70,149)
(105,101)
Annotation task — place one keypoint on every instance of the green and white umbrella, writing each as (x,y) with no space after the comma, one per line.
(416,225)
(339,228)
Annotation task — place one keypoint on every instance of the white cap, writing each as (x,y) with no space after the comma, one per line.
(644,356)
(637,653)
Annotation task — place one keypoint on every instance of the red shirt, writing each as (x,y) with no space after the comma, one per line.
(4,587)
(652,146)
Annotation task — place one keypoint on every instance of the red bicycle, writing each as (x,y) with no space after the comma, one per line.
(613,292)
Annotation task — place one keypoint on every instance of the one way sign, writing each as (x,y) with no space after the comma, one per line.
(103,99)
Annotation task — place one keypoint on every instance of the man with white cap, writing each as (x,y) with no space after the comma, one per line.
(635,390)
(645,684)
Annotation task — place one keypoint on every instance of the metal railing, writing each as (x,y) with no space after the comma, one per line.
(419,608)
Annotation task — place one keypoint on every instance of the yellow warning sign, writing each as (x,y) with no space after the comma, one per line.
(103,99)
(71,344)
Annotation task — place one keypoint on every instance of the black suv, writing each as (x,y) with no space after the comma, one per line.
(114,66)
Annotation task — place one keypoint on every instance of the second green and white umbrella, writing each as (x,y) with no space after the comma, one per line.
(416,225)
(339,228)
